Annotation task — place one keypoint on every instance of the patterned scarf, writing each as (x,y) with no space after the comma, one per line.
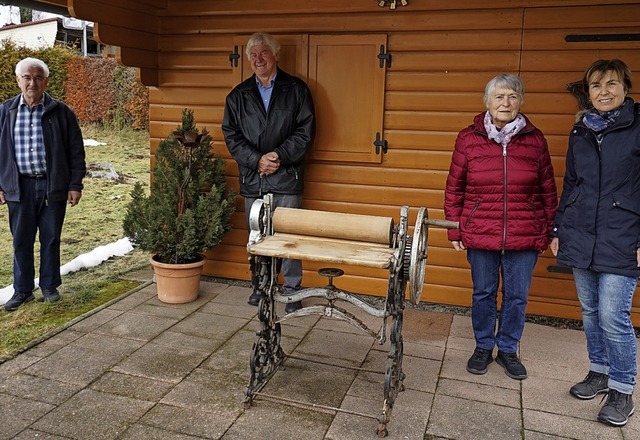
(504,136)
(599,122)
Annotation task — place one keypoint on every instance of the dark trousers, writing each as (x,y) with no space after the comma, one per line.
(34,213)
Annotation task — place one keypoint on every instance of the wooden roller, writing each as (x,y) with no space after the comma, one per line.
(337,225)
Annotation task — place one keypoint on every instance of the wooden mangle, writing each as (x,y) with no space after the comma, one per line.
(335,238)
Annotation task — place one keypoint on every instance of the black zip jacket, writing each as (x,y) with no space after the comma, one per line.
(288,128)
(64,149)
(598,219)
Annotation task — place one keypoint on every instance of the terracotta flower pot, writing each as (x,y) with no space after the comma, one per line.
(178,283)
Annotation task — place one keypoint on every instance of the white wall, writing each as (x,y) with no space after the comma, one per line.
(33,36)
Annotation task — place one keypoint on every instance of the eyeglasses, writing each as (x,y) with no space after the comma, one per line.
(29,78)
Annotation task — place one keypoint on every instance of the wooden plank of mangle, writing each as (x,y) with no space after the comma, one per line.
(326,250)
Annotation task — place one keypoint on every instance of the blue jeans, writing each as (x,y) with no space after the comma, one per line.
(291,269)
(516,268)
(606,315)
(35,213)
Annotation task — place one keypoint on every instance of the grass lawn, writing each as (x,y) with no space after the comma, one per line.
(95,221)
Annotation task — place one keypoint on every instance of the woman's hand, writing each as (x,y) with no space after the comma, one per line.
(457,245)
(555,243)
(638,256)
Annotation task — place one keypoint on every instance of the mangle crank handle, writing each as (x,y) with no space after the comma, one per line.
(446,224)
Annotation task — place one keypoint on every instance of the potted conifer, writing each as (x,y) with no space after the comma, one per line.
(187,212)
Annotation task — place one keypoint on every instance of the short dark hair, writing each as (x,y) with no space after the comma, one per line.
(598,68)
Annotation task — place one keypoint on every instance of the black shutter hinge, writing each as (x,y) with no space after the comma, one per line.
(234,57)
(381,144)
(384,57)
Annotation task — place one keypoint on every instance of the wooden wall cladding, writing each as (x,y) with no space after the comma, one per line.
(443,53)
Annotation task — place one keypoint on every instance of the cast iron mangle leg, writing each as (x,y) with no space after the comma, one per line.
(267,353)
(394,377)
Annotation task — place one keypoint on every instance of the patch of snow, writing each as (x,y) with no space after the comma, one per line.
(93,143)
(89,259)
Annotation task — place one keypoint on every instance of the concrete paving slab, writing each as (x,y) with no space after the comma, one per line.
(55,343)
(408,418)
(189,421)
(564,426)
(160,362)
(270,420)
(215,392)
(422,326)
(134,387)
(342,348)
(136,326)
(233,356)
(38,389)
(93,415)
(142,432)
(154,308)
(479,392)
(421,374)
(311,383)
(176,339)
(461,327)
(18,414)
(78,364)
(131,301)
(233,295)
(30,434)
(432,350)
(206,325)
(532,435)
(17,364)
(463,419)
(117,347)
(95,320)
(244,311)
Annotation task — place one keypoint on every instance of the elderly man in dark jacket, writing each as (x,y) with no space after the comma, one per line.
(269,125)
(41,169)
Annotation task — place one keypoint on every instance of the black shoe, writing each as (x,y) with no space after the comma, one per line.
(512,365)
(254,298)
(479,361)
(617,410)
(591,386)
(292,307)
(17,300)
(50,295)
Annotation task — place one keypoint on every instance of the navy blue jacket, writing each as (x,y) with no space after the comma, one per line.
(288,128)
(598,219)
(63,145)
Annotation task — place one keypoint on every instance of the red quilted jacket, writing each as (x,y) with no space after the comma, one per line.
(503,200)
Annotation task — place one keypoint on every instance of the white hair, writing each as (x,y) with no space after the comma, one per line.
(31,62)
(506,80)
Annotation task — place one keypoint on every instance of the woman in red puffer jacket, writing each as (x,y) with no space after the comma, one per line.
(501,189)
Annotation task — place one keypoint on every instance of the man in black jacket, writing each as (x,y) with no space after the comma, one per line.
(41,170)
(269,125)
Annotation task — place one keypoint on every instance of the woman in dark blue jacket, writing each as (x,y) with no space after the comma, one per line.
(597,233)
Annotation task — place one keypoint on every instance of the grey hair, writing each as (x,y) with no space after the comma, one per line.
(32,62)
(262,38)
(506,80)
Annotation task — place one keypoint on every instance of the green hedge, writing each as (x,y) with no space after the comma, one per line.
(97,89)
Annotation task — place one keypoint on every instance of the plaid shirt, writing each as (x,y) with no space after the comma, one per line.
(28,139)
